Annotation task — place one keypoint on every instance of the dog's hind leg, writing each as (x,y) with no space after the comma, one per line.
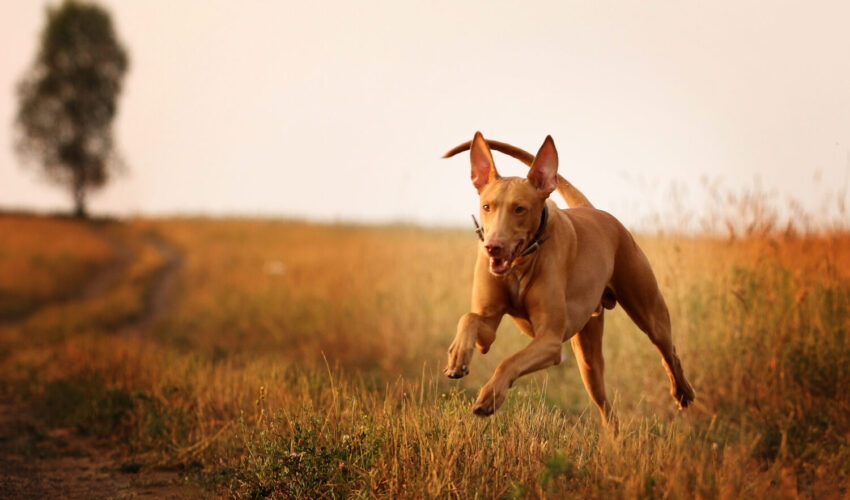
(637,291)
(649,312)
(657,327)
(587,347)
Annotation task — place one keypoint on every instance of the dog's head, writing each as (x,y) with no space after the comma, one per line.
(511,207)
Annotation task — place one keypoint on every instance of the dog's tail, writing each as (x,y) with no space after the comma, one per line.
(570,193)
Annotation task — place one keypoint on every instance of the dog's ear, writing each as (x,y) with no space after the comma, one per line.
(483,169)
(543,174)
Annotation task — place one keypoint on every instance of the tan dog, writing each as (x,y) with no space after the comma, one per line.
(552,271)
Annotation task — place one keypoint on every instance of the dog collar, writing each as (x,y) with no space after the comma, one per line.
(539,237)
(534,244)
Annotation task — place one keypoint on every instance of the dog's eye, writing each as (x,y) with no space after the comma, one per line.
(486,207)
(519,210)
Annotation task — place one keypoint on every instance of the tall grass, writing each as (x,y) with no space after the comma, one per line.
(44,259)
(305,361)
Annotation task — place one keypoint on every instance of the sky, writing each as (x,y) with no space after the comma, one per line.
(340,111)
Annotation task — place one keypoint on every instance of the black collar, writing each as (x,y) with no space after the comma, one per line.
(534,244)
(539,237)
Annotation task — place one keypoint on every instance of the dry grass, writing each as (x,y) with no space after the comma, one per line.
(305,361)
(44,259)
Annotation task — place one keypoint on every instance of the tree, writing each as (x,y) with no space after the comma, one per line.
(68,99)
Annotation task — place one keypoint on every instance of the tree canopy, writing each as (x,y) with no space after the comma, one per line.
(68,99)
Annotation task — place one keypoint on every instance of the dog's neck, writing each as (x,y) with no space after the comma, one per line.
(539,238)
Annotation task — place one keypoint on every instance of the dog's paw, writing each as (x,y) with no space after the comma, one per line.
(489,400)
(458,363)
(683,394)
(456,371)
(482,411)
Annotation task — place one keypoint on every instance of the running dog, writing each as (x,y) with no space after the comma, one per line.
(554,272)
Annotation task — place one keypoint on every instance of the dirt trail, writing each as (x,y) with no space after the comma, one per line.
(38,462)
(163,284)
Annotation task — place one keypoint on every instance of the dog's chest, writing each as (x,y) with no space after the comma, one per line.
(516,286)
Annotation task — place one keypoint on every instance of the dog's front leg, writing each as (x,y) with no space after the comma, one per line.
(472,330)
(542,352)
(548,318)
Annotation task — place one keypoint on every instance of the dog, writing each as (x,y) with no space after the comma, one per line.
(554,272)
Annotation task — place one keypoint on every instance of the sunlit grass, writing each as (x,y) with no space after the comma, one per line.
(305,360)
(44,259)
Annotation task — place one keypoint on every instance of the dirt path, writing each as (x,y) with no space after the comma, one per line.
(39,462)
(164,281)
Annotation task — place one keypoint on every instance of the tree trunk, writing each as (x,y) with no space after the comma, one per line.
(80,211)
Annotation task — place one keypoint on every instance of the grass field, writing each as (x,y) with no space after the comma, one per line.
(296,360)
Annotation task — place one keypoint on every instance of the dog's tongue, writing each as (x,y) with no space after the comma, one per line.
(499,266)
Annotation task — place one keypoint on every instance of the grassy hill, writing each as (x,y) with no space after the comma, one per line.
(269,358)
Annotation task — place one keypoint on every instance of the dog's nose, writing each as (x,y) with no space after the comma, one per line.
(494,248)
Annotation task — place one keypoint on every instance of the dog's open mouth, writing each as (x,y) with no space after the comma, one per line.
(501,265)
